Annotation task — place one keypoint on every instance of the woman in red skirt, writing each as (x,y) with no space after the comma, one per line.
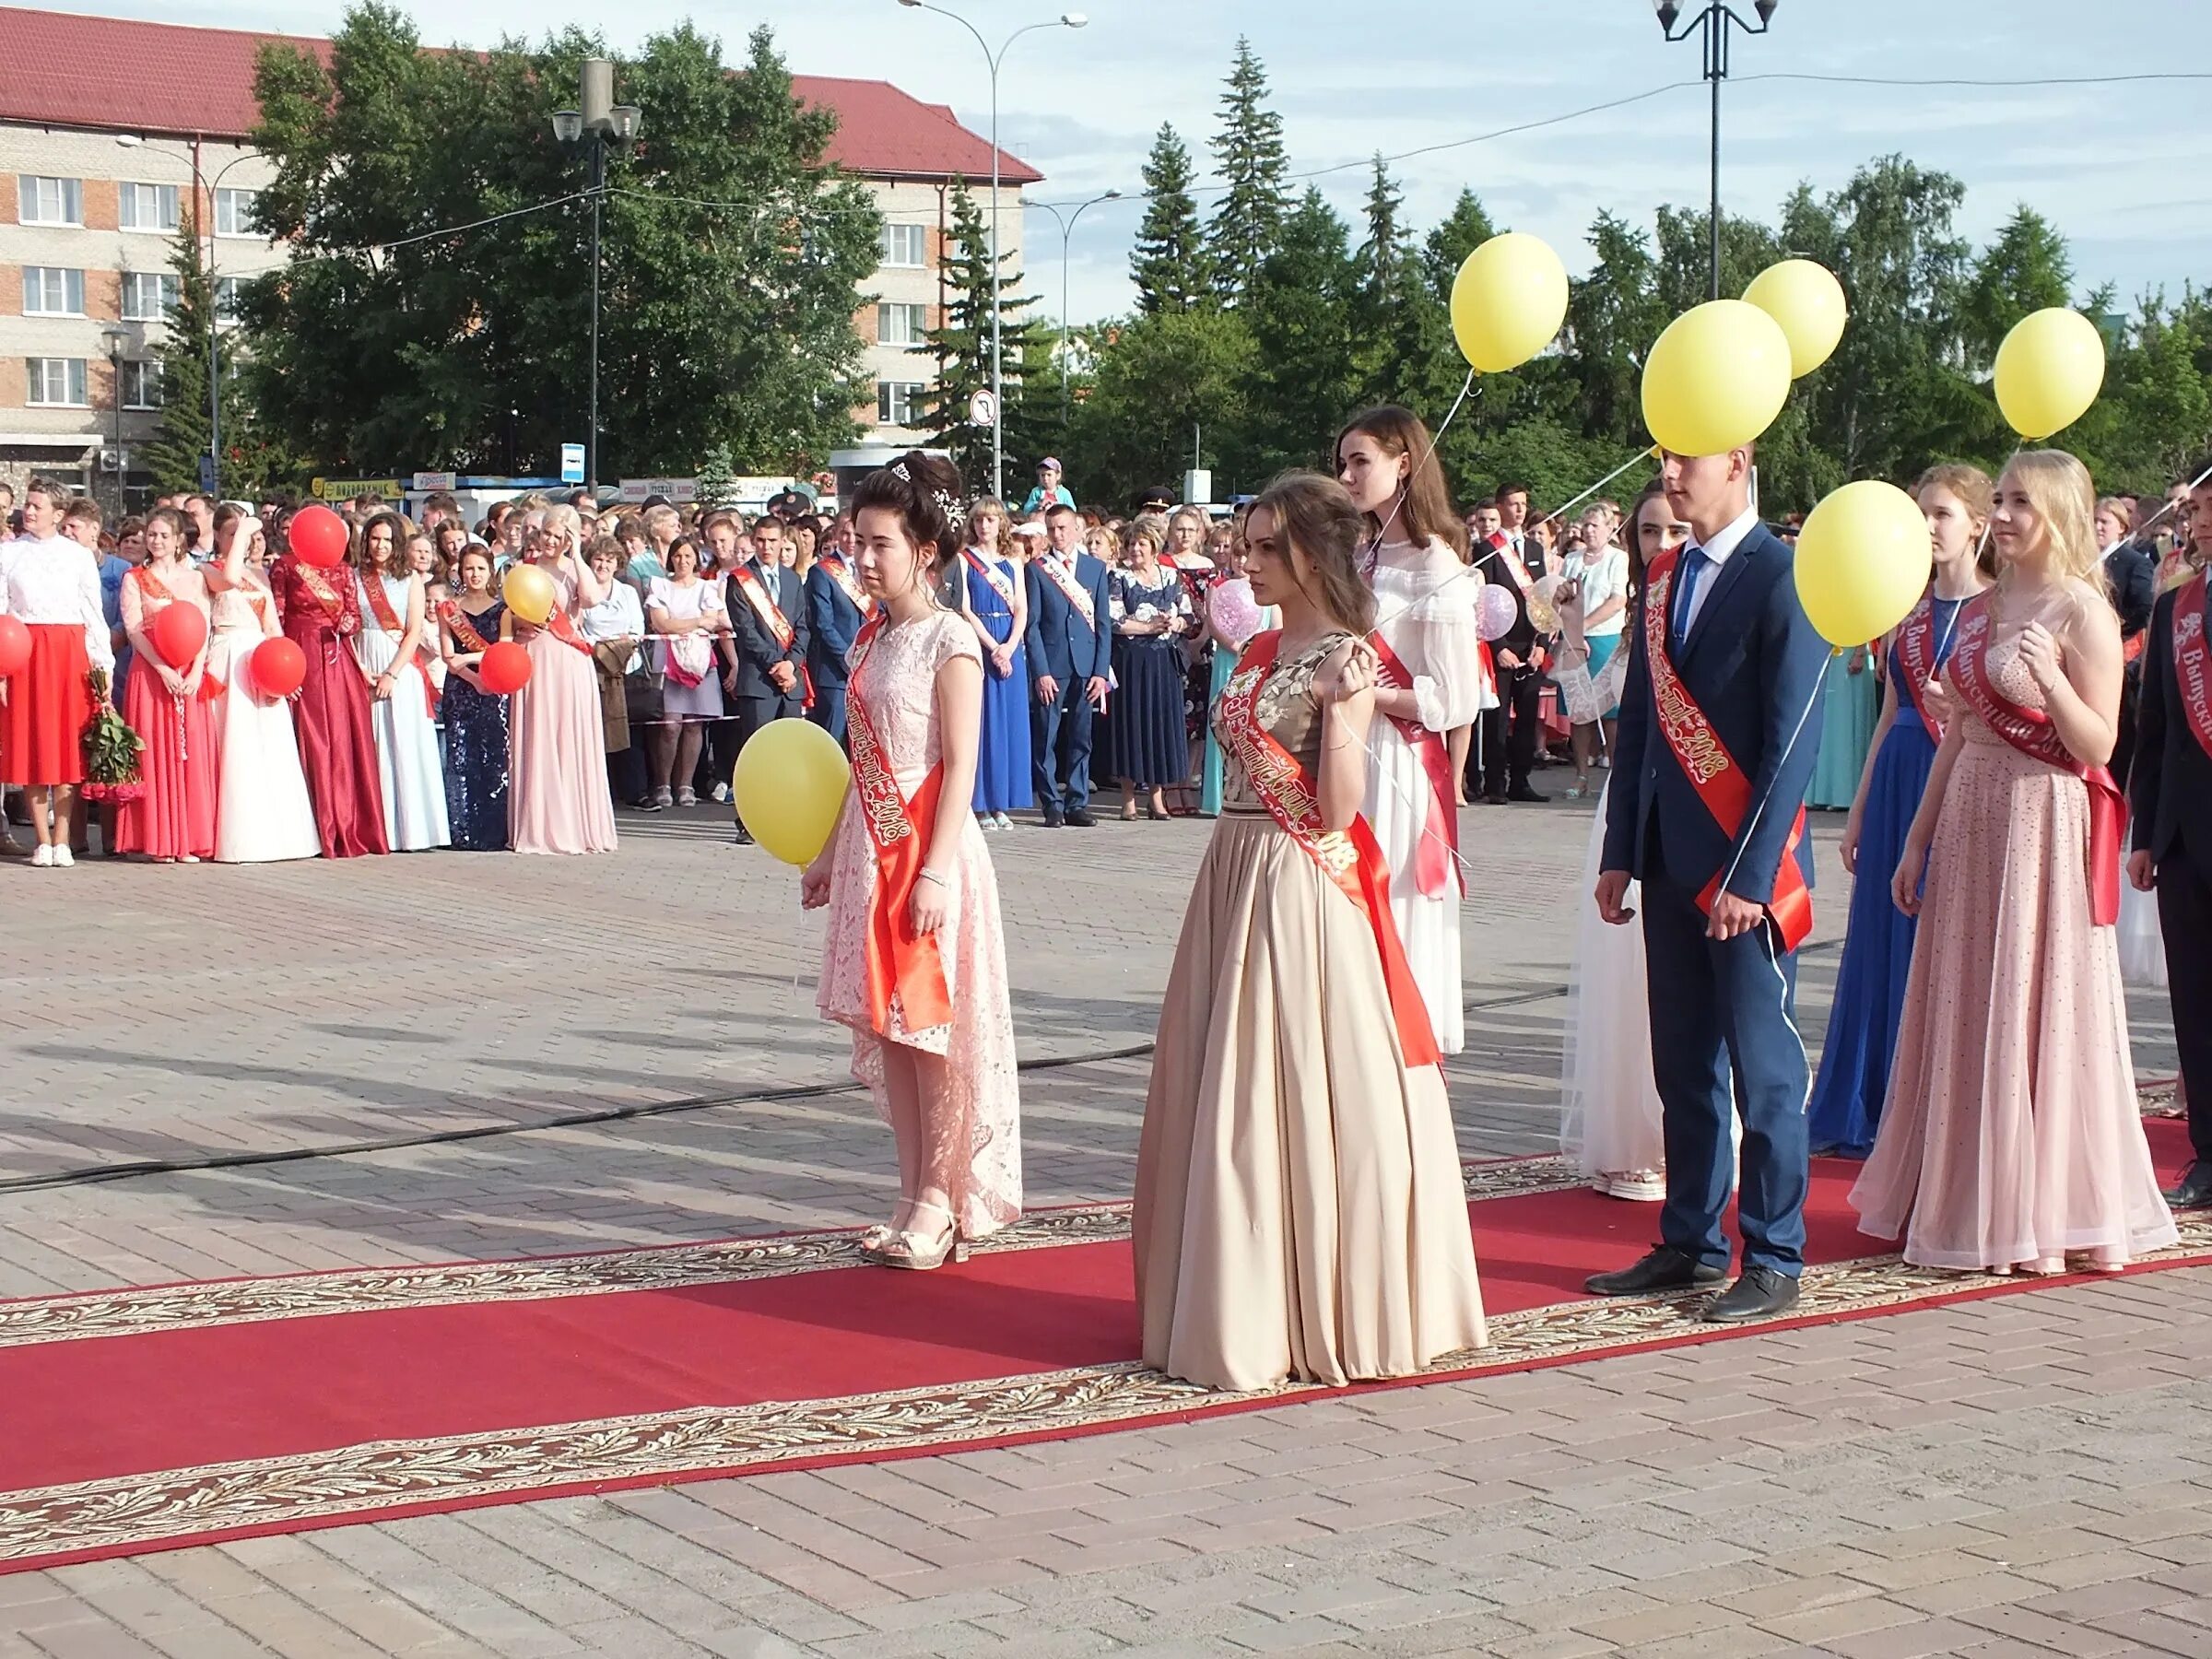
(52,585)
(174,820)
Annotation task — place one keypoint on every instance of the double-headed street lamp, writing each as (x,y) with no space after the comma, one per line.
(994,59)
(1068,230)
(598,122)
(1713,19)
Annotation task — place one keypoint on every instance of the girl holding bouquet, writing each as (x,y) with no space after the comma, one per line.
(50,585)
(172,821)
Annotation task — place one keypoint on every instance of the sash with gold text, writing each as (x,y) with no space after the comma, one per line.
(1063,576)
(847,580)
(379,606)
(2033,732)
(1916,650)
(1721,783)
(1435,860)
(899,962)
(765,606)
(154,597)
(1350,858)
(465,628)
(2193,660)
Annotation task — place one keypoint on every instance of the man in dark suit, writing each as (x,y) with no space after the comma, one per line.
(1509,730)
(836,606)
(2171,795)
(768,615)
(1704,809)
(1070,649)
(2132,567)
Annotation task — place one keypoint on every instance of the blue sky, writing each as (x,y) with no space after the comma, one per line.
(2126,171)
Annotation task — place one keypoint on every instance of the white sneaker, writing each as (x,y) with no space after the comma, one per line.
(63,858)
(41,857)
(721,794)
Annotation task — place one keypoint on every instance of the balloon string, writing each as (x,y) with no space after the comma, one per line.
(2170,506)
(1397,505)
(1635,460)
(1758,807)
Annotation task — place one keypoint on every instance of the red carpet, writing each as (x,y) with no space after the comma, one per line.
(143,1419)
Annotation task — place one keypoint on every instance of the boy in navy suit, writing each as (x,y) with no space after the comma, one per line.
(836,606)
(1720,721)
(1070,649)
(769,618)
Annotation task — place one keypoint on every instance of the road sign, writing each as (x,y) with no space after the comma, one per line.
(571,463)
(983,408)
(432,482)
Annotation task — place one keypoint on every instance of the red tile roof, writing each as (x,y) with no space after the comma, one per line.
(117,75)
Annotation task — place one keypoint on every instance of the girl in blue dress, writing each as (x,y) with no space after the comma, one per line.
(995,601)
(1878,950)
(477,731)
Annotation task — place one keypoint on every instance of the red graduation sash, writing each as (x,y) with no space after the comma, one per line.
(465,630)
(379,606)
(1435,860)
(1063,576)
(154,597)
(1721,783)
(325,594)
(1349,858)
(2033,732)
(765,606)
(2193,660)
(847,582)
(899,962)
(1916,650)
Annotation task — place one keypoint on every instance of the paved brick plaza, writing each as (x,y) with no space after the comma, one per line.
(2017,1476)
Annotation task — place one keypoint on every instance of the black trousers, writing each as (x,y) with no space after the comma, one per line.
(2124,745)
(2185,918)
(1509,733)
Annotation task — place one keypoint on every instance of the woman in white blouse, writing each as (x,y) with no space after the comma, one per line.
(51,586)
(687,615)
(615,628)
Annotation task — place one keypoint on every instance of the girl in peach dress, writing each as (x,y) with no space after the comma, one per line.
(557,798)
(915,962)
(2011,1138)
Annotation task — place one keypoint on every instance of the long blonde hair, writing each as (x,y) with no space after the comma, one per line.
(2065,499)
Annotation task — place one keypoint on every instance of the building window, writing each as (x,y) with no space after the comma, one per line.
(56,381)
(147,207)
(50,291)
(902,325)
(50,201)
(905,246)
(897,401)
(141,385)
(148,296)
(234,213)
(229,295)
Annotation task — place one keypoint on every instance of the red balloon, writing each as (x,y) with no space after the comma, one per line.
(318,536)
(14,646)
(505,668)
(179,631)
(279,667)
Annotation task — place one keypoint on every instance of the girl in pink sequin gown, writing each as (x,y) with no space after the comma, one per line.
(909,887)
(2011,1138)
(557,798)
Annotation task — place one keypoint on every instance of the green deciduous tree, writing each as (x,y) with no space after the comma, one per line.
(1169,263)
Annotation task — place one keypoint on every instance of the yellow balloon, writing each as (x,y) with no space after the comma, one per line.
(1508,301)
(790,781)
(529,592)
(2049,371)
(1807,300)
(1864,559)
(1715,378)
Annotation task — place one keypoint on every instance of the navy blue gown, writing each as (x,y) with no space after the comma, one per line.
(476,737)
(1877,948)
(1148,743)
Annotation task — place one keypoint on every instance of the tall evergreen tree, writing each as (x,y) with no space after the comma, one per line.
(1463,230)
(1255,168)
(1170,263)
(1307,368)
(961,345)
(1405,347)
(2023,270)
(180,439)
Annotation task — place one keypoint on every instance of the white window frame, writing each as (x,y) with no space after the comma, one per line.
(226,308)
(891,394)
(241,202)
(76,388)
(69,199)
(912,324)
(141,387)
(900,240)
(38,284)
(165,288)
(166,213)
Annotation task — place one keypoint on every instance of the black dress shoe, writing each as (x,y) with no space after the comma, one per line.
(1493,799)
(1761,1293)
(1083,819)
(1522,792)
(2193,1191)
(1053,818)
(1665,1268)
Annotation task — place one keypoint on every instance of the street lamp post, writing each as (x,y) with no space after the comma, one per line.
(1068,230)
(1712,21)
(113,339)
(598,121)
(215,379)
(998,389)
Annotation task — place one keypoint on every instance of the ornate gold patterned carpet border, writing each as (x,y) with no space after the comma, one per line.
(128,1512)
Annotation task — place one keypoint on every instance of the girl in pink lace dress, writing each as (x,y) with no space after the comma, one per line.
(915,962)
(2011,1138)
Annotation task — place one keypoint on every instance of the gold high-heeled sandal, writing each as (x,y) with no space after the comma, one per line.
(918,1252)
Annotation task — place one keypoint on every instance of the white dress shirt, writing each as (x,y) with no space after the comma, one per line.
(1717,552)
(56,581)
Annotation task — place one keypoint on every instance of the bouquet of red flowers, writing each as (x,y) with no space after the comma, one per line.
(111,751)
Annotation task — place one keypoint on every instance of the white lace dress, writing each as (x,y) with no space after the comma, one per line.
(1425,603)
(897,688)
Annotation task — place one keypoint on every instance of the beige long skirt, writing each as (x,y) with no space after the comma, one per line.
(1299,1210)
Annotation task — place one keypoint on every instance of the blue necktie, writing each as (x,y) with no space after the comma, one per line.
(1693,570)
